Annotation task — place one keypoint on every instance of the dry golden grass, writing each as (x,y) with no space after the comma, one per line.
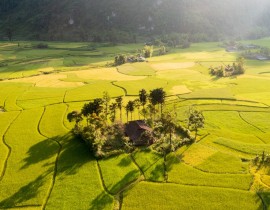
(209,56)
(167,66)
(57,80)
(51,80)
(110,74)
(180,89)
(198,154)
(254,76)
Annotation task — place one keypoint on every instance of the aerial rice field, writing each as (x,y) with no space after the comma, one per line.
(43,166)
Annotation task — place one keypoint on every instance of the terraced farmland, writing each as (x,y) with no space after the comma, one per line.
(42,166)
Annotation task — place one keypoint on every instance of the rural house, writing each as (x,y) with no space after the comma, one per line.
(135,130)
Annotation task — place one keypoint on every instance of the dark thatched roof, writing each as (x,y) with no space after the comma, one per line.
(135,129)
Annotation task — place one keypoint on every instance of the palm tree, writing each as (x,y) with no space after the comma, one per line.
(93,107)
(143,97)
(162,96)
(119,102)
(137,104)
(157,96)
(130,108)
(127,111)
(113,108)
(106,100)
(152,110)
(74,116)
(168,125)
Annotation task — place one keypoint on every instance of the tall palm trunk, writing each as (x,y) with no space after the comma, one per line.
(170,138)
(154,112)
(106,111)
(120,114)
(127,116)
(143,113)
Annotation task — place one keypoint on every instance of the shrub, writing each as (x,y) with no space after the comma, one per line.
(42,45)
(162,50)
(120,59)
(148,51)
(3,64)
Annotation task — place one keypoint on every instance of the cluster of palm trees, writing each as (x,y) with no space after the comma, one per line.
(154,98)
(104,138)
(93,125)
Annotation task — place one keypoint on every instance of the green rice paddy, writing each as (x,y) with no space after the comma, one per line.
(42,166)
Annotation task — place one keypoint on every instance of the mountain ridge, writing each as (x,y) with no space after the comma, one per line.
(123,20)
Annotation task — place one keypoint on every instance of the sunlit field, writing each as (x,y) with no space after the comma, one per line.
(43,166)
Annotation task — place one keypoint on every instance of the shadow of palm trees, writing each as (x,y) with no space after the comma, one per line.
(72,156)
(102,201)
(158,173)
(125,162)
(39,152)
(25,193)
(265,198)
(171,160)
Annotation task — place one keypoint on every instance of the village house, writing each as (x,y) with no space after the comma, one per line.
(135,130)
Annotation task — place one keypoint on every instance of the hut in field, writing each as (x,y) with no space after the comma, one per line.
(139,133)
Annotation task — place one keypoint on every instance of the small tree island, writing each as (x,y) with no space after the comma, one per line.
(236,68)
(107,135)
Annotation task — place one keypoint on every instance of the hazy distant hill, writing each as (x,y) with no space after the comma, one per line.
(124,20)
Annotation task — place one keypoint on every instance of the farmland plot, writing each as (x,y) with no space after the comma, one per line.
(43,166)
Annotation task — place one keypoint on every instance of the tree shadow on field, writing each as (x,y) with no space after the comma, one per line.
(25,193)
(39,152)
(125,184)
(72,156)
(70,152)
(125,181)
(173,159)
(213,79)
(125,162)
(265,199)
(157,173)
(102,201)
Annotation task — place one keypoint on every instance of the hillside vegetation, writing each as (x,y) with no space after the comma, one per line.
(128,20)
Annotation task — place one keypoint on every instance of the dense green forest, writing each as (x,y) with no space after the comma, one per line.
(128,20)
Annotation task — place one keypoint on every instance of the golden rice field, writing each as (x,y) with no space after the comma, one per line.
(43,166)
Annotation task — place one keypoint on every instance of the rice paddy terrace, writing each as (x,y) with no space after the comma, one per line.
(42,166)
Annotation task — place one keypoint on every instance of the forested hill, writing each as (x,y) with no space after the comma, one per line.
(125,20)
